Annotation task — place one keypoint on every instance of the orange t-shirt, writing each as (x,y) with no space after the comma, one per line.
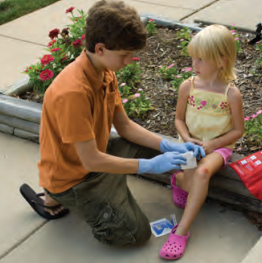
(77,107)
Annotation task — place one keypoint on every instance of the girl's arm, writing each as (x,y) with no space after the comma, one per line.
(236,105)
(180,124)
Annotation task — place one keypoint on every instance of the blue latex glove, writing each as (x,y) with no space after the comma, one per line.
(167,146)
(161,163)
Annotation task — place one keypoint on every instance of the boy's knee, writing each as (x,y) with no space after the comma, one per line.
(120,233)
(143,233)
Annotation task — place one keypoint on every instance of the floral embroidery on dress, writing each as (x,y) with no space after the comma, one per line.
(191,101)
(223,105)
(214,106)
(203,104)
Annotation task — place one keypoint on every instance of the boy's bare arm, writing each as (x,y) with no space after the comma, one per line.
(180,124)
(134,132)
(236,106)
(95,161)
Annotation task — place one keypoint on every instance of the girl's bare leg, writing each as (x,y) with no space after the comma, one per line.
(198,189)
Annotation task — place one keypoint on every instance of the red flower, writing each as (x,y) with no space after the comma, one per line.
(54,33)
(77,43)
(136,59)
(70,9)
(83,37)
(77,18)
(46,75)
(51,43)
(55,49)
(27,69)
(64,58)
(46,59)
(151,20)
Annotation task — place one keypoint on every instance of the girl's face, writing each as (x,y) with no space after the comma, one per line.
(204,69)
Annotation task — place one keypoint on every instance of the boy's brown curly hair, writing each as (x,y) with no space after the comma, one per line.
(116,25)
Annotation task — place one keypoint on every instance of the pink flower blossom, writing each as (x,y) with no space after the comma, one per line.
(259,112)
(64,58)
(233,24)
(233,31)
(137,95)
(54,33)
(147,98)
(124,100)
(181,39)
(55,49)
(258,42)
(136,59)
(253,116)
(46,59)
(178,76)
(139,90)
(83,37)
(151,20)
(160,66)
(170,66)
(122,84)
(77,43)
(246,119)
(239,149)
(76,19)
(46,75)
(69,10)
(188,69)
(237,38)
(51,43)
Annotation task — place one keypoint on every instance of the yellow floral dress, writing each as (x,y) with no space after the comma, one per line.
(208,114)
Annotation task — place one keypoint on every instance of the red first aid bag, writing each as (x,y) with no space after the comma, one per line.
(249,170)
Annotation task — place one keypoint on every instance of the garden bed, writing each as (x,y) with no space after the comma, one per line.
(162,51)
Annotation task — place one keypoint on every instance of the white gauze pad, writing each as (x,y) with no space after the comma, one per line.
(190,159)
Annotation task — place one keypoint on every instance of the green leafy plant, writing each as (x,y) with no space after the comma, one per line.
(151,27)
(253,128)
(178,79)
(63,48)
(236,37)
(185,36)
(130,74)
(137,105)
(124,90)
(168,72)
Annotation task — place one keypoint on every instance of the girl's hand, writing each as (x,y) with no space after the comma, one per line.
(208,146)
(195,141)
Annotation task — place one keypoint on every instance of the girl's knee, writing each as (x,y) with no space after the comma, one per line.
(202,174)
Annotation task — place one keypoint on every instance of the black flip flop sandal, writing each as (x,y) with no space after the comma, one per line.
(37,203)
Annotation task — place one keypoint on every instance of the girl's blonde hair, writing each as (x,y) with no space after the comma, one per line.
(212,44)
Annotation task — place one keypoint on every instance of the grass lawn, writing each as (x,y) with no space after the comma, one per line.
(12,9)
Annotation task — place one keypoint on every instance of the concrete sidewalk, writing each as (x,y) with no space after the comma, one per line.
(25,237)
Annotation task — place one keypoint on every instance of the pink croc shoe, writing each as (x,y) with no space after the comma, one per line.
(179,195)
(175,245)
